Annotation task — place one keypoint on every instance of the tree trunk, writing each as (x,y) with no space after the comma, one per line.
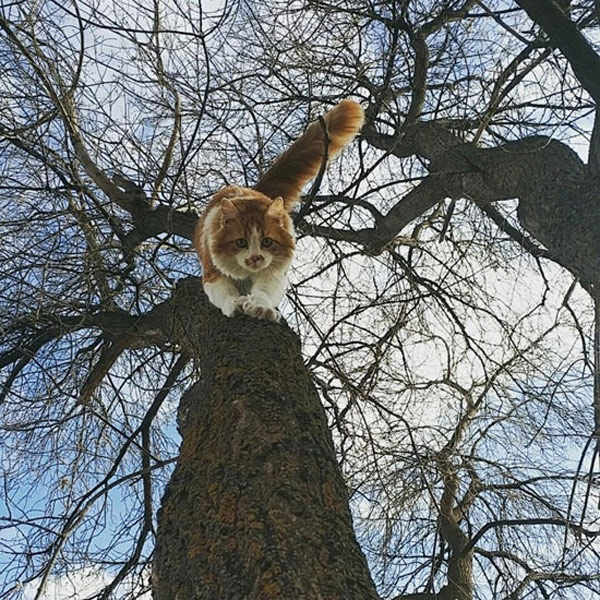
(256,507)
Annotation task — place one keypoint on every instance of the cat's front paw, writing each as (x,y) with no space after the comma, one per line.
(232,306)
(253,306)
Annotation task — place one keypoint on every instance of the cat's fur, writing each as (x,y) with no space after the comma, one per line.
(245,237)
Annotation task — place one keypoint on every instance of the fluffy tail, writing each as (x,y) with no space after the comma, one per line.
(301,162)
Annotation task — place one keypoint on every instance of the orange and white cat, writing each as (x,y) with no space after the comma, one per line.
(245,237)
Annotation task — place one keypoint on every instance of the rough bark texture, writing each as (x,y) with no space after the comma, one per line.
(257,507)
(558,201)
(559,198)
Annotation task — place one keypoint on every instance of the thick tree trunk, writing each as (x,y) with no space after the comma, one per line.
(257,507)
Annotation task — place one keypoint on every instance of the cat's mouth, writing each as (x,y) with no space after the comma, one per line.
(255,267)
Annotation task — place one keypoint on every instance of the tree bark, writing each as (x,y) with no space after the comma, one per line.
(256,507)
(558,197)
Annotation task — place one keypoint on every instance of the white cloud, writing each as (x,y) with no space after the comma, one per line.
(77,586)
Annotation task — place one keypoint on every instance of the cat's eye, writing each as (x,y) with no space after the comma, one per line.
(266,242)
(241,243)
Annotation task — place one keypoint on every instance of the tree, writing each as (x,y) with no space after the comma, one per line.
(444,291)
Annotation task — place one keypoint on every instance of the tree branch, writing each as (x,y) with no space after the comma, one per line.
(530,522)
(565,35)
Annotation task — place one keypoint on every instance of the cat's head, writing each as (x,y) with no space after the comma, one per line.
(251,233)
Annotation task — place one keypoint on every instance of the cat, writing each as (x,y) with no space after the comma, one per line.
(245,236)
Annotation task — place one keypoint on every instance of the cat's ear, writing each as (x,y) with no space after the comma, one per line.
(277,208)
(228,210)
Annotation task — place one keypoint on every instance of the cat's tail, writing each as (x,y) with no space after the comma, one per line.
(302,160)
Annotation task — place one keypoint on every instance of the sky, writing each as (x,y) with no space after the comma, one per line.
(515,293)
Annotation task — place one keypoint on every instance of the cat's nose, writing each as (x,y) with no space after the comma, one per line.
(254,259)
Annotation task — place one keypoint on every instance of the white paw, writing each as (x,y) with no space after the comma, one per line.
(252,306)
(232,306)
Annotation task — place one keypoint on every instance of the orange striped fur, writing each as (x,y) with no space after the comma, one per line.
(301,162)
